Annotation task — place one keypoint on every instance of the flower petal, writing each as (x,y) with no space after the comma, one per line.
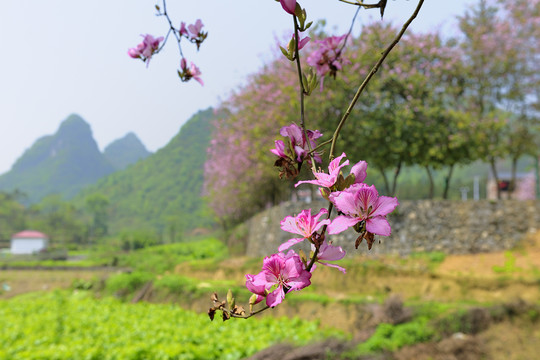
(359,170)
(275,297)
(335,266)
(384,205)
(342,223)
(288,5)
(301,281)
(345,201)
(256,283)
(289,243)
(329,252)
(378,225)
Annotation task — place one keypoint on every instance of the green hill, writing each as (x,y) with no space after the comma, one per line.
(125,151)
(62,163)
(163,191)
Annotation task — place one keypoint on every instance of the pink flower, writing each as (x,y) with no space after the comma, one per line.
(192,72)
(256,284)
(329,252)
(359,170)
(146,49)
(299,142)
(280,149)
(288,5)
(334,168)
(183,31)
(195,29)
(362,203)
(298,149)
(301,43)
(303,224)
(195,73)
(280,274)
(324,179)
(328,58)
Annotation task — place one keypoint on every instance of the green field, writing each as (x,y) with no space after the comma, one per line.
(74,325)
(392,304)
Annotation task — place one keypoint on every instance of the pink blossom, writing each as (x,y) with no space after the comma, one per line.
(298,143)
(256,284)
(328,252)
(195,29)
(324,179)
(334,168)
(359,170)
(192,72)
(280,274)
(328,59)
(146,49)
(280,149)
(288,5)
(301,43)
(183,31)
(303,224)
(195,73)
(362,203)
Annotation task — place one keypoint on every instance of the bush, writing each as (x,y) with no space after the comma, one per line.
(161,258)
(127,283)
(392,337)
(176,284)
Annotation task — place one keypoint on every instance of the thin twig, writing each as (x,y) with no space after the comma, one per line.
(302,92)
(251,314)
(171,29)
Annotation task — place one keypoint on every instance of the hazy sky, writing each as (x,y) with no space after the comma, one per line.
(63,57)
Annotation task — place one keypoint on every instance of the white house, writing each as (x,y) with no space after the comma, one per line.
(28,242)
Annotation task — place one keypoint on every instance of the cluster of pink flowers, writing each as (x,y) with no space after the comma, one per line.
(150,46)
(360,207)
(193,32)
(146,49)
(280,274)
(297,148)
(188,73)
(328,58)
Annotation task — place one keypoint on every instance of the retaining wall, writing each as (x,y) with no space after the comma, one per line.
(455,227)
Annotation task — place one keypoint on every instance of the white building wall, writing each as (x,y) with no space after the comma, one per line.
(27,246)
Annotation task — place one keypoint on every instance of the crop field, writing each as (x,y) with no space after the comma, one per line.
(411,308)
(74,325)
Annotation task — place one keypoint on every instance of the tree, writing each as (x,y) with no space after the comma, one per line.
(12,214)
(97,204)
(501,51)
(58,219)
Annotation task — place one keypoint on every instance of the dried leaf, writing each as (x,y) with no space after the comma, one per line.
(226,316)
(211,313)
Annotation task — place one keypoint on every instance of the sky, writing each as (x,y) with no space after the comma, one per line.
(65,56)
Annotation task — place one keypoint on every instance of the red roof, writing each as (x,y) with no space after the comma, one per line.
(30,234)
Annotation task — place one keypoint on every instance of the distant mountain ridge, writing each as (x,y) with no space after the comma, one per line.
(125,151)
(163,191)
(61,163)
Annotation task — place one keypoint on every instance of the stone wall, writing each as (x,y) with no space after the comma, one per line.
(454,227)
